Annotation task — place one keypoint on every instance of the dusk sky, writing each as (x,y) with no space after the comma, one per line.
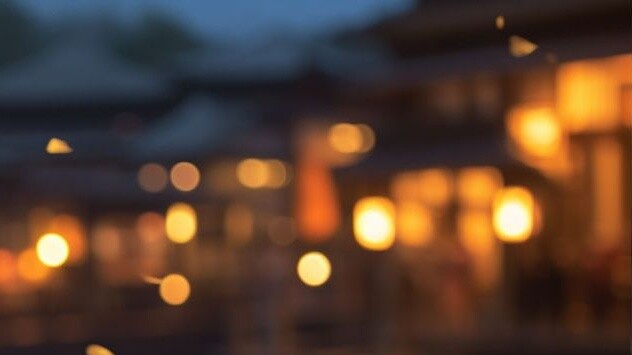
(234,19)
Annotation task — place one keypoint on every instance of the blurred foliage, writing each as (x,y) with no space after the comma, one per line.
(18,32)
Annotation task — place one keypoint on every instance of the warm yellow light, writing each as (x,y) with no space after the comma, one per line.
(588,95)
(52,250)
(239,224)
(514,210)
(373,223)
(368,137)
(181,223)
(253,173)
(174,289)
(345,138)
(58,146)
(277,174)
(476,186)
(500,22)
(30,268)
(351,138)
(436,187)
(313,269)
(94,349)
(535,131)
(521,47)
(185,176)
(152,177)
(74,233)
(415,226)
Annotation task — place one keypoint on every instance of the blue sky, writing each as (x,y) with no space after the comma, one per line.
(233,19)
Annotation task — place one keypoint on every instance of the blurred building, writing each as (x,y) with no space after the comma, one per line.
(463,168)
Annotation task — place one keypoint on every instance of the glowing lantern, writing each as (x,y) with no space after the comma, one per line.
(174,289)
(535,131)
(521,47)
(52,250)
(313,269)
(181,223)
(588,95)
(476,186)
(350,138)
(500,22)
(415,226)
(94,349)
(185,176)
(374,223)
(253,173)
(58,146)
(514,210)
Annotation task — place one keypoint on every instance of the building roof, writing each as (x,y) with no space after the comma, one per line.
(78,71)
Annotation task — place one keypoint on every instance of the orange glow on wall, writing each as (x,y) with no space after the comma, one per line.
(477,237)
(588,95)
(405,186)
(535,131)
(436,187)
(30,268)
(475,231)
(476,186)
(317,209)
(374,223)
(415,226)
(514,212)
(7,267)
